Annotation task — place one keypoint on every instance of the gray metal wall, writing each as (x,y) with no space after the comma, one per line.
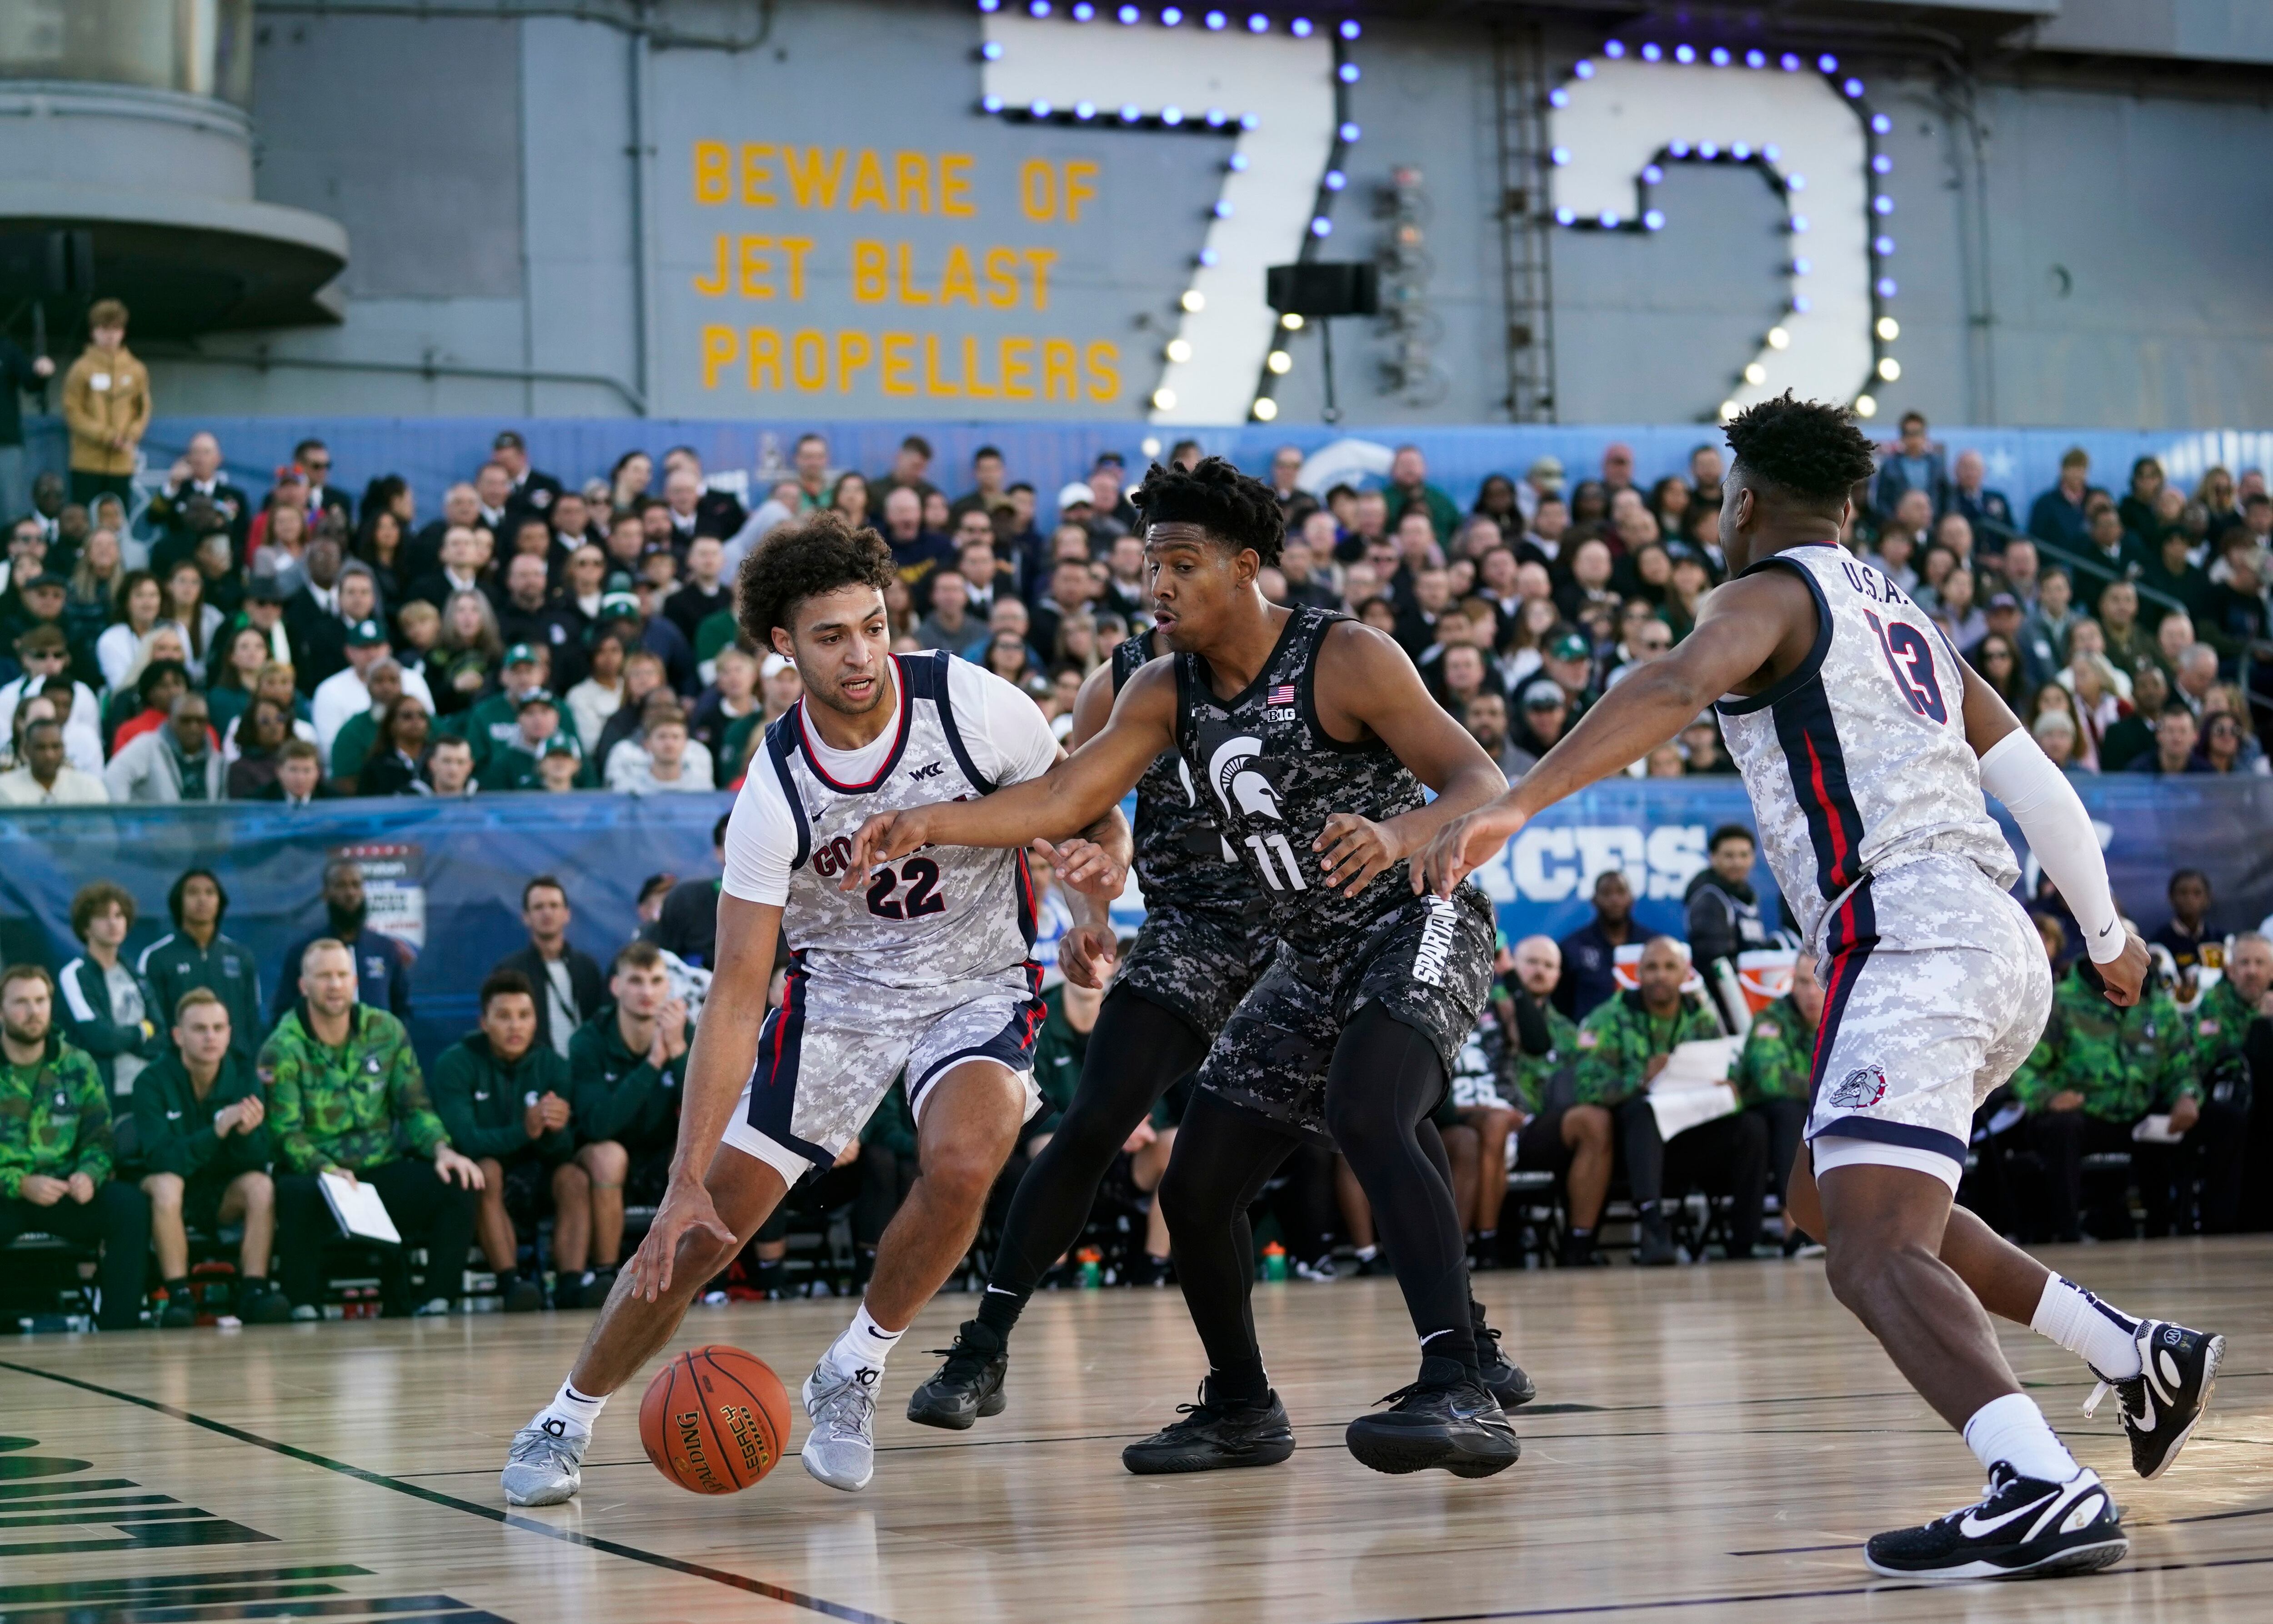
(2093,259)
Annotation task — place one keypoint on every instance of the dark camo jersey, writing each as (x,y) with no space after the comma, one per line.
(1206,934)
(1273,776)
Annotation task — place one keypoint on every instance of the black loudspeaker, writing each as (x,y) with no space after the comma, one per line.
(1320,289)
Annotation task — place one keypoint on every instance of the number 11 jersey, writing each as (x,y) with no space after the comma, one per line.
(1856,761)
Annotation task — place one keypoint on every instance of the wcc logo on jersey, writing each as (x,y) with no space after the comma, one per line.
(1860,1089)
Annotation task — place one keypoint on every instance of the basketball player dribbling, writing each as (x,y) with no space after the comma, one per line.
(1865,743)
(924,967)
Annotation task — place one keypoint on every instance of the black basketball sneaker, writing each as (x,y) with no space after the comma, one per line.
(1447,1419)
(1504,1381)
(1212,1437)
(968,1385)
(2164,1400)
(2022,1528)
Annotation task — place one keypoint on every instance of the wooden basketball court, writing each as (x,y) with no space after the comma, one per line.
(1709,1444)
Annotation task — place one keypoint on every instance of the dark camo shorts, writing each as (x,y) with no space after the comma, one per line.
(1198,965)
(1427,963)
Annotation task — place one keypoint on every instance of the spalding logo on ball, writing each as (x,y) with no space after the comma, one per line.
(714,1419)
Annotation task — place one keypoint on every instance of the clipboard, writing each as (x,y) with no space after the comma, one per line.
(361,1214)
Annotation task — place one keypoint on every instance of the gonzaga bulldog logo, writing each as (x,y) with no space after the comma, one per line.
(1860,1089)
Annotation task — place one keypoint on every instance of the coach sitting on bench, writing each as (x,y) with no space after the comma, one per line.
(55,1148)
(203,1129)
(1625,1044)
(504,1096)
(343,1084)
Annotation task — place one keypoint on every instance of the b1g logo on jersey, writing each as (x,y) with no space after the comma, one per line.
(1860,1089)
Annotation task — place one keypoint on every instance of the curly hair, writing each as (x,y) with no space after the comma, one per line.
(817,551)
(1238,511)
(1810,450)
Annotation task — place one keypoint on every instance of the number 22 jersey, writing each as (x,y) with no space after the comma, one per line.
(1856,761)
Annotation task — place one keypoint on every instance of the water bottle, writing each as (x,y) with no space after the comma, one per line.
(1093,1275)
(1274,1261)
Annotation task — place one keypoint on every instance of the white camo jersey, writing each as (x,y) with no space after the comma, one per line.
(941,915)
(1857,762)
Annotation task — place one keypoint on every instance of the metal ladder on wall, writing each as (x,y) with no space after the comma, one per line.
(1519,87)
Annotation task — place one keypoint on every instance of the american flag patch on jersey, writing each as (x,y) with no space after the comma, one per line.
(1283,694)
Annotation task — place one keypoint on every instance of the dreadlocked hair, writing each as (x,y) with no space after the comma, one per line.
(1240,512)
(816,553)
(1811,449)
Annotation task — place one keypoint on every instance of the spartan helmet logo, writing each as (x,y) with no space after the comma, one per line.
(1239,780)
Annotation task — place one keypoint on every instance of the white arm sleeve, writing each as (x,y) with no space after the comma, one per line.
(2059,832)
(761,838)
(1009,737)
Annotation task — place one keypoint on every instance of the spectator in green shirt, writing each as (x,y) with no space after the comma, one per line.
(2209,1074)
(55,1148)
(346,1096)
(1625,1043)
(1550,1136)
(1775,1065)
(504,1097)
(1409,488)
(626,1067)
(195,954)
(203,1125)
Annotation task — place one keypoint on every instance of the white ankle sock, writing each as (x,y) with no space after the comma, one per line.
(2081,1323)
(576,1412)
(865,1345)
(2012,1429)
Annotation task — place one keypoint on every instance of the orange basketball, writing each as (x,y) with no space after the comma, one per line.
(714,1420)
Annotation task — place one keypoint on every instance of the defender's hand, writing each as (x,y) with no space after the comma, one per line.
(2125,975)
(886,836)
(1087,955)
(1463,846)
(1354,852)
(687,1210)
(1086,867)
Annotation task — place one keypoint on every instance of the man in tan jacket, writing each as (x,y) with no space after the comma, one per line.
(107,405)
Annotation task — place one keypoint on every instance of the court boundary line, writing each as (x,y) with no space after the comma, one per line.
(610,1547)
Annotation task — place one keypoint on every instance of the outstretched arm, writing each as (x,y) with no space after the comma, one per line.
(1372,682)
(2058,831)
(1763,622)
(1087,952)
(1081,795)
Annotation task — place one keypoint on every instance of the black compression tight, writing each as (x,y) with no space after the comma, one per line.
(1385,1079)
(1137,1052)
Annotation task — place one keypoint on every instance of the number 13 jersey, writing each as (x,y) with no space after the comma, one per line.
(1856,761)
(938,916)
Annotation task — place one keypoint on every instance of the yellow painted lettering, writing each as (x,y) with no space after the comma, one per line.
(955,185)
(956,281)
(853,352)
(870,271)
(1058,381)
(868,184)
(757,174)
(796,248)
(713,179)
(912,177)
(972,384)
(1039,260)
(910,294)
(1104,363)
(715,283)
(896,373)
(933,384)
(1018,369)
(809,360)
(765,359)
(1038,189)
(757,264)
(812,182)
(1001,278)
(719,349)
(1080,187)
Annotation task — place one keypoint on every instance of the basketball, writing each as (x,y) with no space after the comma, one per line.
(714,1419)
